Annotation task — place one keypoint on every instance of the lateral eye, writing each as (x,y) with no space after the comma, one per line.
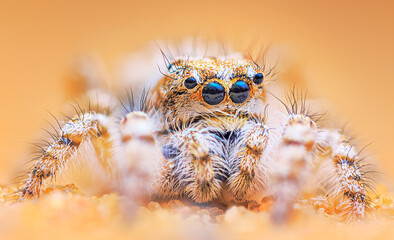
(172,68)
(190,83)
(258,78)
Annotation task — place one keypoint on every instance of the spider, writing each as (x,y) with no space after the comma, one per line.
(206,133)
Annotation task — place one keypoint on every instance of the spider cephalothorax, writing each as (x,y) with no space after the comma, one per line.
(213,143)
(209,86)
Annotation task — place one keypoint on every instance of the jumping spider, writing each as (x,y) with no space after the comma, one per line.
(203,134)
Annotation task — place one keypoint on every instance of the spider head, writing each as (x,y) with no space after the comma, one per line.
(196,87)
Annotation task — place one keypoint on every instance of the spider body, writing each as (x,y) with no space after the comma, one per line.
(209,104)
(209,140)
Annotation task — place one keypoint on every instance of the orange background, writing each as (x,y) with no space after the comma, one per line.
(342,52)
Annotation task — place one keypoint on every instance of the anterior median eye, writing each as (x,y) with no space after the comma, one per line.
(239,92)
(213,93)
(190,83)
(258,78)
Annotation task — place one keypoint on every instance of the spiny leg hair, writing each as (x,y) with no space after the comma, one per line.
(81,128)
(345,181)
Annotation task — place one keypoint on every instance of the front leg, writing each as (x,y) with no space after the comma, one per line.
(198,166)
(248,175)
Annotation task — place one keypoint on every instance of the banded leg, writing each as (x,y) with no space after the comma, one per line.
(344,180)
(86,127)
(198,166)
(293,163)
(247,173)
(140,159)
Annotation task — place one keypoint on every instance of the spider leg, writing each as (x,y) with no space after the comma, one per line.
(198,166)
(247,173)
(343,179)
(290,169)
(82,128)
(140,159)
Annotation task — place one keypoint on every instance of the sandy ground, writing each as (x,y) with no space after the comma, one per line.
(66,213)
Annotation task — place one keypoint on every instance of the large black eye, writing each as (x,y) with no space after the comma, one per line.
(239,92)
(213,93)
(258,78)
(190,83)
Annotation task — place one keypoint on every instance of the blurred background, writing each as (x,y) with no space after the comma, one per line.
(339,51)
